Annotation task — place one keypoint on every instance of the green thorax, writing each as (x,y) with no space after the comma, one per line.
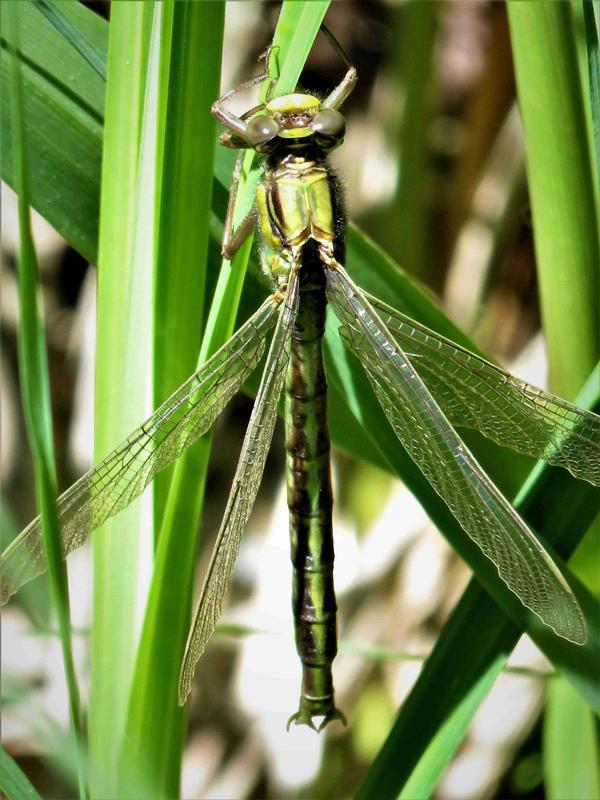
(295,204)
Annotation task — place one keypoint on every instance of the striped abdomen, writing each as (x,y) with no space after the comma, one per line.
(310,499)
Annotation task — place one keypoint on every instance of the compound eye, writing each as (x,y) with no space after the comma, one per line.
(329,122)
(260,130)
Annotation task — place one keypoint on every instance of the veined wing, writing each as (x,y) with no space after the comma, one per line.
(111,485)
(450,467)
(476,394)
(245,485)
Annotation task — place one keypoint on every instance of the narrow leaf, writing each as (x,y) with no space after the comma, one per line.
(33,368)
(123,552)
(570,746)
(13,782)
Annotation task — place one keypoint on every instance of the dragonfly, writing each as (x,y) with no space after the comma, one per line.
(425,384)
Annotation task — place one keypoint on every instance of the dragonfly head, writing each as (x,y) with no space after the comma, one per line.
(295,118)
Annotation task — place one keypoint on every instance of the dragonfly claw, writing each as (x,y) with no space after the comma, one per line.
(304,716)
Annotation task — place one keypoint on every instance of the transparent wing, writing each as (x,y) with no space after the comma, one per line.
(243,491)
(476,394)
(448,465)
(124,474)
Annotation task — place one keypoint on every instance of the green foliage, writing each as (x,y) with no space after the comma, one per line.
(188,78)
(564,195)
(157,200)
(33,365)
(571,746)
(127,259)
(591,13)
(562,188)
(14,783)
(64,109)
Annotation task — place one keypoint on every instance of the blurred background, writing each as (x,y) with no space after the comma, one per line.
(433,168)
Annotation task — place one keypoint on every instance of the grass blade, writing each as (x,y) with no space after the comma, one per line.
(13,782)
(61,22)
(123,553)
(64,117)
(591,16)
(191,41)
(562,189)
(570,761)
(33,368)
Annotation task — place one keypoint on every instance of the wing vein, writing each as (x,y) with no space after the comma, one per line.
(427,435)
(477,394)
(124,474)
(244,489)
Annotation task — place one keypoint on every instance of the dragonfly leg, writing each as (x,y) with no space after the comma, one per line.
(343,90)
(233,240)
(326,255)
(237,134)
(228,118)
(266,57)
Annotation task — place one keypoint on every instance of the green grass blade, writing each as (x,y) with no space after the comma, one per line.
(564,194)
(123,552)
(14,783)
(297,28)
(61,22)
(188,82)
(571,766)
(63,120)
(192,34)
(33,368)
(562,189)
(591,16)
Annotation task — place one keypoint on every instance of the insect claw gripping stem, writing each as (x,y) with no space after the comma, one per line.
(304,716)
(266,56)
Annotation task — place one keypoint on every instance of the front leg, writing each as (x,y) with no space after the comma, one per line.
(238,125)
(342,91)
(229,119)
(233,240)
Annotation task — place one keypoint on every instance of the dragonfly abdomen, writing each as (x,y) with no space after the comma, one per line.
(310,499)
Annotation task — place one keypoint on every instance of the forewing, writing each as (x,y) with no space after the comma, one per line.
(243,491)
(124,474)
(449,466)
(476,394)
